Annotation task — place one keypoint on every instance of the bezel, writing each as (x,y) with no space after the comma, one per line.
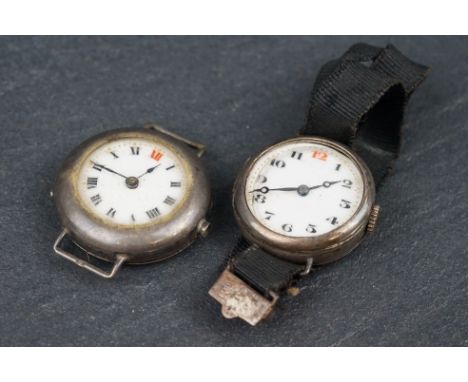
(324,248)
(143,243)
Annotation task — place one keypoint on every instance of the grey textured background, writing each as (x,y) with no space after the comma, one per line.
(405,285)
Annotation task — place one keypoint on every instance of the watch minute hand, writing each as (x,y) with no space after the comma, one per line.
(108,169)
(265,189)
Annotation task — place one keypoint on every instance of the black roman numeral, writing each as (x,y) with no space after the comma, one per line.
(135,150)
(175,184)
(153,213)
(169,200)
(96,199)
(338,166)
(296,155)
(92,182)
(111,212)
(170,167)
(97,167)
(114,155)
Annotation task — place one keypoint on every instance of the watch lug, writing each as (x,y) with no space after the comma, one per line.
(308,267)
(373,217)
(237,299)
(199,147)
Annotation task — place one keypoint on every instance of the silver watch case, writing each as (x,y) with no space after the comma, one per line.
(134,245)
(322,249)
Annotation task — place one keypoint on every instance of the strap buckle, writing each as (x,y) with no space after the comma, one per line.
(238,299)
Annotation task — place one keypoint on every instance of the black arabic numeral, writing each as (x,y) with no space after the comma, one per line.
(347,183)
(311,228)
(268,215)
(287,227)
(277,163)
(259,198)
(333,220)
(261,179)
(345,203)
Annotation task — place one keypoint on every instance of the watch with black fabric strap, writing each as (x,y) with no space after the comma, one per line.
(311,199)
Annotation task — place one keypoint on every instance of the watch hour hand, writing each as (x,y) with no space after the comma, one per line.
(107,169)
(150,170)
(327,184)
(263,190)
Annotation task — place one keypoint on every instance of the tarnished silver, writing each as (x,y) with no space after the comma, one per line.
(238,299)
(322,249)
(119,259)
(120,244)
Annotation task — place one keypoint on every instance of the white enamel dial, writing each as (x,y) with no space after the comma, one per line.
(303,189)
(132,181)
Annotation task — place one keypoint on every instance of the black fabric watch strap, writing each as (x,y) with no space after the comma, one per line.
(359,100)
(264,272)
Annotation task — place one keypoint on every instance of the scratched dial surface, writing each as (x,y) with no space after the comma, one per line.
(303,189)
(132,182)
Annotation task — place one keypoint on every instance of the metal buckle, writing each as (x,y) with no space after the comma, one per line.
(238,299)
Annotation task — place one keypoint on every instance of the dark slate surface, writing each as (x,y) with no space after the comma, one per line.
(405,285)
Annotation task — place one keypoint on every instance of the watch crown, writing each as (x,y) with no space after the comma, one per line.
(203,228)
(374,215)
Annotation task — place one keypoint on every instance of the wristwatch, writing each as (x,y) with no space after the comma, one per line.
(310,200)
(134,196)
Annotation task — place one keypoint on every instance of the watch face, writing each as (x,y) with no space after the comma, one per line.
(132,181)
(303,189)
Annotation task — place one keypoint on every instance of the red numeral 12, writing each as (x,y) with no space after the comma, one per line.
(156,155)
(319,155)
